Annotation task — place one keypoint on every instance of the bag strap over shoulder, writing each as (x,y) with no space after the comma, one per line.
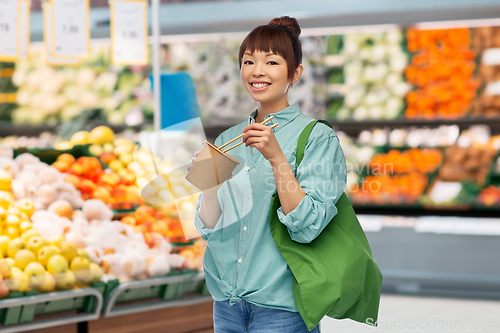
(304,137)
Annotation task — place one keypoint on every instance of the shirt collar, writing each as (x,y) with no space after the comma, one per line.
(282,117)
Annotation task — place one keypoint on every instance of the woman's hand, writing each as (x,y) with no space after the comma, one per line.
(262,137)
(211,190)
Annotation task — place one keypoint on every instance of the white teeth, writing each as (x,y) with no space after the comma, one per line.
(260,85)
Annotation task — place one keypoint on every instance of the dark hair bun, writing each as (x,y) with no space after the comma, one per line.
(288,22)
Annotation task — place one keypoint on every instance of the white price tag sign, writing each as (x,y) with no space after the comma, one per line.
(24,28)
(129,32)
(9,30)
(71,31)
(47,35)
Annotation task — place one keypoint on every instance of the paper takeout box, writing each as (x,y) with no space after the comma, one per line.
(211,168)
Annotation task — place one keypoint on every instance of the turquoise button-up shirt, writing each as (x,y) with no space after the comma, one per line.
(241,260)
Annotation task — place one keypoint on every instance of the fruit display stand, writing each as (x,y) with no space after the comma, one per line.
(21,313)
(181,289)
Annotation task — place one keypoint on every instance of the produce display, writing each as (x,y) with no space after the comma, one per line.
(442,69)
(418,160)
(45,140)
(7,91)
(487,42)
(50,95)
(385,189)
(373,79)
(489,196)
(467,163)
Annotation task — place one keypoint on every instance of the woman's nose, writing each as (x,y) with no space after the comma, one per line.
(258,70)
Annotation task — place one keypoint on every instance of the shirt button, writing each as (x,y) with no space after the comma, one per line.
(245,228)
(248,168)
(240,260)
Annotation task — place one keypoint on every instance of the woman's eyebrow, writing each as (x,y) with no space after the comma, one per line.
(248,53)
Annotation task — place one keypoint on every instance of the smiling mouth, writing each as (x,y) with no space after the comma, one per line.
(260,85)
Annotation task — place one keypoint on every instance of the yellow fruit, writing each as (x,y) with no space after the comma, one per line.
(124,142)
(35,243)
(45,253)
(126,158)
(15,245)
(11,232)
(65,280)
(101,135)
(58,251)
(48,284)
(5,268)
(95,272)
(36,274)
(80,138)
(108,148)
(68,250)
(13,221)
(83,254)
(56,240)
(5,180)
(4,243)
(64,145)
(3,216)
(26,206)
(80,267)
(24,257)
(57,264)
(96,150)
(29,233)
(25,226)
(6,199)
(116,165)
(11,261)
(18,281)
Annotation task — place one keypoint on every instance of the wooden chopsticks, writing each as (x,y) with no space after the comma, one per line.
(236,145)
(241,135)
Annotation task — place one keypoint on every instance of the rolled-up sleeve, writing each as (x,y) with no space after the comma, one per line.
(322,174)
(202,229)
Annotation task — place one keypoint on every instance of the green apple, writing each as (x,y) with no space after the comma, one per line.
(95,272)
(56,240)
(35,243)
(24,257)
(11,232)
(68,250)
(25,226)
(45,253)
(4,243)
(57,264)
(65,280)
(36,274)
(48,284)
(15,245)
(80,267)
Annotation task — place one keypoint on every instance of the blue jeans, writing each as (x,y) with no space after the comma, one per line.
(246,317)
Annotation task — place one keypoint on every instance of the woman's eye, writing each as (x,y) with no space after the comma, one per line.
(248,62)
(272,63)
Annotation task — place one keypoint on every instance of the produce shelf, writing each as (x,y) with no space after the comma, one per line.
(18,313)
(156,293)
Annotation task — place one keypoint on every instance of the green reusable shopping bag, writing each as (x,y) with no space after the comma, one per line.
(334,275)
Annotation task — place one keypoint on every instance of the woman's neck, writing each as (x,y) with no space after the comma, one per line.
(265,109)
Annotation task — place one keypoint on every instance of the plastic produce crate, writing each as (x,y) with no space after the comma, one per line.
(178,288)
(19,311)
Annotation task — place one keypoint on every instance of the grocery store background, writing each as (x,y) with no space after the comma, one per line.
(412,89)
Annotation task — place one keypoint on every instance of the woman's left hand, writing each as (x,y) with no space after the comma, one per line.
(261,136)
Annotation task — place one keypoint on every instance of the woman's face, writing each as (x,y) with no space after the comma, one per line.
(265,76)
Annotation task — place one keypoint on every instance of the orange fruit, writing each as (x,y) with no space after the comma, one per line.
(62,166)
(64,211)
(67,158)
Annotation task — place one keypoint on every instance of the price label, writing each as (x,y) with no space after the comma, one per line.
(129,32)
(48,35)
(71,32)
(24,29)
(9,20)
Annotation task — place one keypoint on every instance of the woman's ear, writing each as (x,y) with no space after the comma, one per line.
(297,74)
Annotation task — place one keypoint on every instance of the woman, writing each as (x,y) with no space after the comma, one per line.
(248,278)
